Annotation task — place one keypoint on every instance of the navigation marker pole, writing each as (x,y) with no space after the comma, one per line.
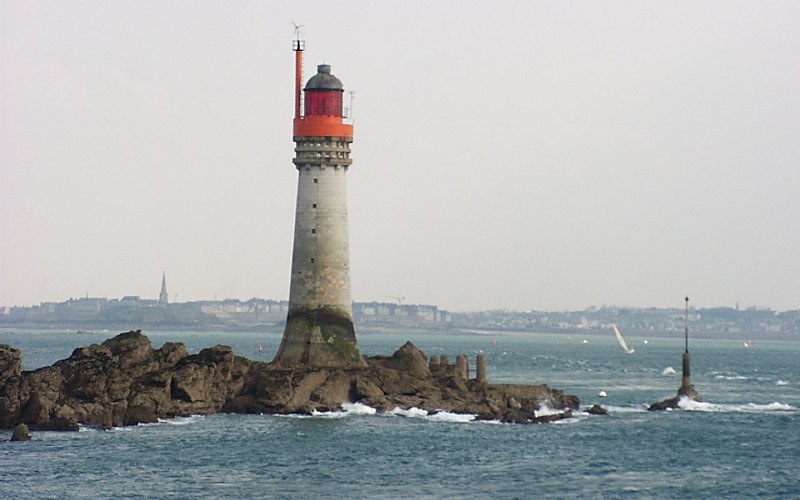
(686,324)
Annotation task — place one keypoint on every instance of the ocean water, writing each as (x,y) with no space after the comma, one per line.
(742,442)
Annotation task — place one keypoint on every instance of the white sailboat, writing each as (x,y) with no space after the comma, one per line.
(622,340)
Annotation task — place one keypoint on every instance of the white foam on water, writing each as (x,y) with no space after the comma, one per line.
(164,421)
(441,416)
(179,420)
(287,415)
(782,382)
(668,371)
(446,416)
(625,409)
(327,414)
(688,404)
(411,412)
(348,410)
(577,417)
(772,407)
(545,411)
(731,377)
(358,409)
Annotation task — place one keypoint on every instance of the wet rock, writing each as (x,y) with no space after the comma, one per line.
(59,424)
(667,404)
(410,360)
(685,391)
(597,410)
(36,410)
(10,362)
(524,416)
(21,433)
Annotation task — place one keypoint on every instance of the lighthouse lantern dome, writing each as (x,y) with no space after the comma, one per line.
(324,80)
(323,93)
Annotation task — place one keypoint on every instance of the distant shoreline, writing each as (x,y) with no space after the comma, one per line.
(383,329)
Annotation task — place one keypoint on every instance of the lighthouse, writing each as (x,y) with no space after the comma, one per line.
(319,325)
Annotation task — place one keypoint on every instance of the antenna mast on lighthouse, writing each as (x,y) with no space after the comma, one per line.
(298,45)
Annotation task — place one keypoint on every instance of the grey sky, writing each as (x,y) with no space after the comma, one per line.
(522,155)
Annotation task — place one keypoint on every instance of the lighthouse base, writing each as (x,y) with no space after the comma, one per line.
(686,390)
(319,338)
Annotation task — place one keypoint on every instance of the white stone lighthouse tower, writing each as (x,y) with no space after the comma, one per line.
(319,325)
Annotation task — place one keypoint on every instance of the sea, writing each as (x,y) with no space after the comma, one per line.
(742,441)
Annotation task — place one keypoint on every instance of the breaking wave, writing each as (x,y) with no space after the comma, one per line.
(161,421)
(446,416)
(668,371)
(440,416)
(348,410)
(782,382)
(625,409)
(411,412)
(688,404)
(179,420)
(358,409)
(545,411)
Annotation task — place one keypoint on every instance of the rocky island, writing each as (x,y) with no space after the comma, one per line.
(125,381)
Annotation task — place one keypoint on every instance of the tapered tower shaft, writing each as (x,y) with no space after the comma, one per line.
(319,325)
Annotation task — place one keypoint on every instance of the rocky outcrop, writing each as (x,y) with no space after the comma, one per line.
(124,381)
(685,391)
(10,363)
(20,433)
(597,410)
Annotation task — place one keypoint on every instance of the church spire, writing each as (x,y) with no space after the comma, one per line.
(162,297)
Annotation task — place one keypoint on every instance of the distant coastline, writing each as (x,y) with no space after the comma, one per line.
(97,314)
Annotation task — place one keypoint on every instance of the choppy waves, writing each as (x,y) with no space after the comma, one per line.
(359,409)
(688,404)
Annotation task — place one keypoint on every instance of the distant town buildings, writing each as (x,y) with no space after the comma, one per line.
(134,312)
(228,314)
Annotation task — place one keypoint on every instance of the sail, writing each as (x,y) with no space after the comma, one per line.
(621,340)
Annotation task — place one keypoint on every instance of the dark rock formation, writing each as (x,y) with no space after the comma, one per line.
(124,381)
(10,363)
(597,410)
(20,433)
(685,391)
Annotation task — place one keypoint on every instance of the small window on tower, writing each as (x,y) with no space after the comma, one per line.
(313,205)
(312,260)
(315,180)
(313,231)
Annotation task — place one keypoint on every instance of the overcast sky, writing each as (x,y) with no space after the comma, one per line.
(521,155)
